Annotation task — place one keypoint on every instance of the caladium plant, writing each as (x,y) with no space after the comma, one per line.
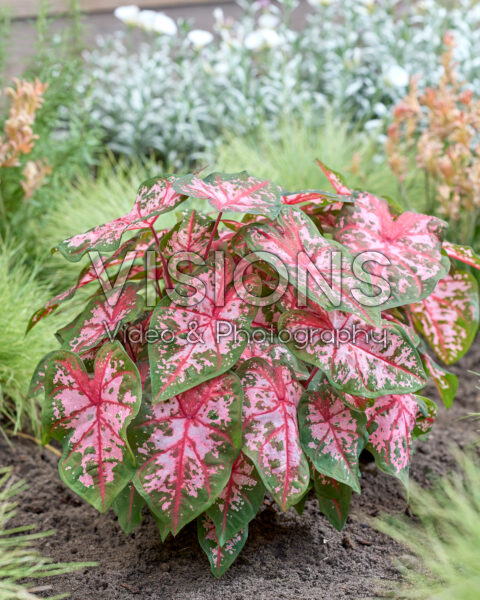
(250,353)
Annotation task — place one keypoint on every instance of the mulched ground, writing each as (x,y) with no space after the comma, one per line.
(286,556)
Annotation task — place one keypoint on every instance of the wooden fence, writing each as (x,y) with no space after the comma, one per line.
(29,8)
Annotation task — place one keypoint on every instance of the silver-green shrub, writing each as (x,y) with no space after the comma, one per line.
(169,95)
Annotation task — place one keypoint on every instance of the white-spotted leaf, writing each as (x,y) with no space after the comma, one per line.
(294,241)
(195,343)
(237,192)
(448,318)
(270,430)
(186,447)
(332,434)
(221,557)
(90,415)
(357,358)
(239,501)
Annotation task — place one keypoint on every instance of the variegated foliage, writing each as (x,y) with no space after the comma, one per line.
(197,401)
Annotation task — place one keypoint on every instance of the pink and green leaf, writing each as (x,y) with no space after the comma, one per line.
(426,416)
(155,196)
(333,499)
(191,234)
(182,359)
(391,422)
(336,180)
(448,319)
(89,416)
(270,430)
(221,557)
(101,318)
(237,192)
(445,382)
(464,254)
(294,240)
(367,361)
(186,447)
(332,434)
(128,507)
(411,243)
(316,197)
(273,351)
(163,529)
(37,383)
(124,256)
(300,505)
(239,501)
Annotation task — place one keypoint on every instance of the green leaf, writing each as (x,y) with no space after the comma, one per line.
(90,416)
(239,501)
(300,505)
(101,319)
(445,382)
(270,430)
(186,447)
(195,343)
(128,508)
(333,499)
(449,317)
(221,557)
(332,434)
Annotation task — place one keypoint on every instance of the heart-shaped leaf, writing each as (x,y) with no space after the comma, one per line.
(448,318)
(186,447)
(90,417)
(98,272)
(37,383)
(335,180)
(128,507)
(101,319)
(332,435)
(464,254)
(294,242)
(445,382)
(411,243)
(316,197)
(270,430)
(333,499)
(357,358)
(191,234)
(263,344)
(427,413)
(195,343)
(391,422)
(237,192)
(155,196)
(239,501)
(221,557)
(300,505)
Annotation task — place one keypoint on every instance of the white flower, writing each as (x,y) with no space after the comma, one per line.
(127,14)
(268,21)
(199,38)
(262,38)
(221,68)
(146,18)
(396,76)
(271,37)
(164,24)
(316,3)
(157,22)
(254,40)
(218,15)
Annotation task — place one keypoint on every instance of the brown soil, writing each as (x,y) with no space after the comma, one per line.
(286,556)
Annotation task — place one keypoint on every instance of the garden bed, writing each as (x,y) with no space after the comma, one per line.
(286,556)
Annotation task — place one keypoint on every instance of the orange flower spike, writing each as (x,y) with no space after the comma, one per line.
(26,98)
